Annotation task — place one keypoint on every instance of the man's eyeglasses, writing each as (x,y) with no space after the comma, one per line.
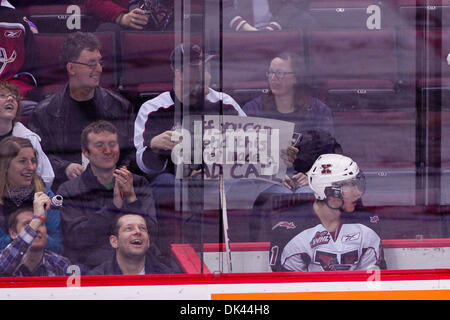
(4,96)
(91,65)
(278,74)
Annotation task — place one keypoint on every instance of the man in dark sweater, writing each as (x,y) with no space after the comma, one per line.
(102,191)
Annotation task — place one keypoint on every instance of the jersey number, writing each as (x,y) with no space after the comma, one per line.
(273,255)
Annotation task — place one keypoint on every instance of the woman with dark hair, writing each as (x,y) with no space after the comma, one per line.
(290,99)
(10,110)
(19,182)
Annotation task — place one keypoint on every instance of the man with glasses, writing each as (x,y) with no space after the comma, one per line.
(60,118)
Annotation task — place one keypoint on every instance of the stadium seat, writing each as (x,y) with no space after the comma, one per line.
(433,13)
(51,74)
(439,48)
(384,146)
(246,58)
(145,62)
(432,48)
(445,147)
(356,62)
(60,18)
(350,13)
(407,222)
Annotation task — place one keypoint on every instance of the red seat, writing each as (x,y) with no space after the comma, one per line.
(349,13)
(56,18)
(433,13)
(383,138)
(354,61)
(52,75)
(384,146)
(246,56)
(407,222)
(146,62)
(433,47)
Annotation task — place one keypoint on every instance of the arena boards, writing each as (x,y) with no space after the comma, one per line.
(407,284)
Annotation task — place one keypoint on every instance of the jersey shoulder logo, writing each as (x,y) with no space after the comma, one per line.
(284,224)
(321,237)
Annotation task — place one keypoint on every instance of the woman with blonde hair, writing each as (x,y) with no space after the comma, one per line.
(10,111)
(19,182)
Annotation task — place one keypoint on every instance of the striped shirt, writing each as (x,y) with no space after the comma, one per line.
(157,115)
(11,257)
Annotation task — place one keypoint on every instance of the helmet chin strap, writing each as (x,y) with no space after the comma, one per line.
(334,193)
(338,208)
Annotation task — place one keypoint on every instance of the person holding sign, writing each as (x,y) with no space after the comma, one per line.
(159,119)
(290,99)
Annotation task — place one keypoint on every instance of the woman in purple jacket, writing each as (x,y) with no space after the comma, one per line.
(290,99)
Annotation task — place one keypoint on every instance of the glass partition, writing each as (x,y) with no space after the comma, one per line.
(273,136)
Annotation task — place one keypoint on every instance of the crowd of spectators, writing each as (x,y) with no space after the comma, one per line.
(113,167)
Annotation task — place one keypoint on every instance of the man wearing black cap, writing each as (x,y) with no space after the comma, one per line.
(155,122)
(159,117)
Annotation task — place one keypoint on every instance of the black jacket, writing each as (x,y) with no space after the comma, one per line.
(88,212)
(111,267)
(51,121)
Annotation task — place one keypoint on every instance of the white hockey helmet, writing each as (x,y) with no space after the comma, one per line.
(332,171)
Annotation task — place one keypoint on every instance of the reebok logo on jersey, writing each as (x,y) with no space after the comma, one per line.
(284,224)
(13,33)
(321,237)
(351,237)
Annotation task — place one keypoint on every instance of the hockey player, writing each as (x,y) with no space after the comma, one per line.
(328,234)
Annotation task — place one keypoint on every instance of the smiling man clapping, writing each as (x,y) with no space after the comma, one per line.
(98,195)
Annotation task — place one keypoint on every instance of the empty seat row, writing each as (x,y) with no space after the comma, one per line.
(364,13)
(358,62)
(61,18)
(69,16)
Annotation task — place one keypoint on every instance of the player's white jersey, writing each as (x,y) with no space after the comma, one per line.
(352,247)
